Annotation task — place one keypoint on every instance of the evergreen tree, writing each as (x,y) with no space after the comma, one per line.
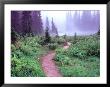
(26,22)
(40,24)
(54,29)
(13,36)
(37,23)
(47,35)
(98,32)
(15,25)
(47,24)
(75,38)
(15,21)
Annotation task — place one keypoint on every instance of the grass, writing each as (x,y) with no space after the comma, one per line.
(81,68)
(25,56)
(26,67)
(82,59)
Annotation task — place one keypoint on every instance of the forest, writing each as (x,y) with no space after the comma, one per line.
(44,46)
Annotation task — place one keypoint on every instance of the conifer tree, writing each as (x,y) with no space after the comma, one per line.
(15,26)
(47,35)
(26,22)
(75,38)
(15,20)
(54,29)
(37,25)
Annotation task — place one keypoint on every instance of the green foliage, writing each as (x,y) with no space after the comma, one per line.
(25,67)
(13,35)
(89,46)
(52,46)
(47,36)
(75,38)
(60,40)
(61,56)
(81,68)
(63,59)
(28,47)
(53,40)
(41,41)
(13,47)
(59,51)
(81,59)
(25,57)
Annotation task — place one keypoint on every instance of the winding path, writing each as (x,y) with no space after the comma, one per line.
(48,64)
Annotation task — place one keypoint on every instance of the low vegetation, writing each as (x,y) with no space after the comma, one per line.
(82,59)
(25,57)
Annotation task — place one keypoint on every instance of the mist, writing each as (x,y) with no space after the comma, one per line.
(84,22)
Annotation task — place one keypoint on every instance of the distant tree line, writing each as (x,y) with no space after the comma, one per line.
(82,20)
(30,23)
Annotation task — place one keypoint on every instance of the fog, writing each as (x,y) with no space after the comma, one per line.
(70,22)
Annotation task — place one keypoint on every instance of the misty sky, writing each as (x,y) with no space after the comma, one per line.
(67,22)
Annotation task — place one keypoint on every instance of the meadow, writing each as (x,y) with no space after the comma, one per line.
(81,59)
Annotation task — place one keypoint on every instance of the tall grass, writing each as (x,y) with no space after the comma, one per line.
(25,57)
(82,59)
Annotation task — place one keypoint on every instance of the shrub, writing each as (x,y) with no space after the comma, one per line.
(41,40)
(59,50)
(81,68)
(94,48)
(52,46)
(47,36)
(81,59)
(60,40)
(78,71)
(63,59)
(25,68)
(24,62)
(13,47)
(54,40)
(89,46)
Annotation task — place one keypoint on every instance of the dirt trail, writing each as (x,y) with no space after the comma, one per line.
(48,64)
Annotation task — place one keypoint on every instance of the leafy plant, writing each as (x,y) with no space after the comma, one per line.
(24,58)
(52,46)
(63,59)
(25,68)
(81,59)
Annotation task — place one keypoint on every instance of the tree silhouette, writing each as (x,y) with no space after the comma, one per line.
(54,29)
(26,22)
(47,35)
(13,36)
(15,25)
(75,38)
(98,32)
(37,27)
(15,20)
